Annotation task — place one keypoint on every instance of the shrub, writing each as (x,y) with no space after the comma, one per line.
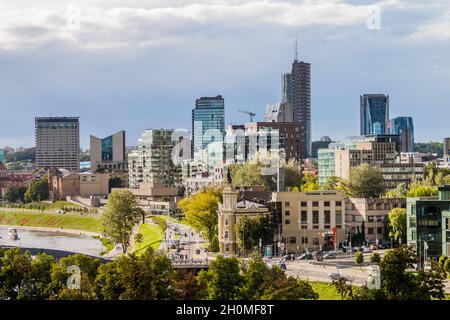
(359,258)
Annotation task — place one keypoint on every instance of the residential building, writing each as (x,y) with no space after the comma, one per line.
(58,143)
(2,156)
(109,153)
(258,138)
(404,127)
(208,122)
(326,164)
(230,212)
(370,214)
(428,224)
(152,162)
(311,220)
(374,113)
(279,112)
(296,90)
(323,143)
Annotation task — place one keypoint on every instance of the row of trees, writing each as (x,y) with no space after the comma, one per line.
(36,191)
(149,276)
(398,281)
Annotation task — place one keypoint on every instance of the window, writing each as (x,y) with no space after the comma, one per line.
(447,223)
(370,230)
(327,217)
(304,204)
(380,231)
(226,234)
(338,203)
(447,236)
(338,218)
(226,222)
(326,203)
(287,204)
(316,241)
(304,218)
(304,240)
(287,213)
(287,221)
(292,240)
(315,203)
(315,217)
(412,222)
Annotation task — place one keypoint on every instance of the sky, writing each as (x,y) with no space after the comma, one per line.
(138,64)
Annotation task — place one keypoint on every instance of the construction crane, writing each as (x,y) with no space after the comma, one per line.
(251,114)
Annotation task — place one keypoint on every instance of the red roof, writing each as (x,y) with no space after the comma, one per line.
(2,167)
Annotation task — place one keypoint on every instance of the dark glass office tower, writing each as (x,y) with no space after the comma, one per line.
(374,113)
(296,89)
(404,127)
(208,121)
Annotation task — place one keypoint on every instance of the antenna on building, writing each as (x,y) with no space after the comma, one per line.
(296,49)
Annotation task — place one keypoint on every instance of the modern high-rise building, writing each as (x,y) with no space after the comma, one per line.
(404,127)
(296,89)
(58,143)
(447,148)
(109,152)
(208,122)
(152,162)
(374,110)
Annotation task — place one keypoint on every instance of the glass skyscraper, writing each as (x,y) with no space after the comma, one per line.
(208,122)
(374,113)
(404,127)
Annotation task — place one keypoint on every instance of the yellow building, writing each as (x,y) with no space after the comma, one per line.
(311,220)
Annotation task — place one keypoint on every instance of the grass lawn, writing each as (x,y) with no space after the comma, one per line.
(326,291)
(153,236)
(51,220)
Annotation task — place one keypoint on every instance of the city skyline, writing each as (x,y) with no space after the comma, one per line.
(64,73)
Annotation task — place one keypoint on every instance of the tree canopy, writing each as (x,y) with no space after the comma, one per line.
(366,182)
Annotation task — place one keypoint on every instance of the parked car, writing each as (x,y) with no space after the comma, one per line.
(305,256)
(183,242)
(366,250)
(289,257)
(330,255)
(334,276)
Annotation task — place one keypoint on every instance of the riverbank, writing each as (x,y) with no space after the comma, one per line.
(57,230)
(77,223)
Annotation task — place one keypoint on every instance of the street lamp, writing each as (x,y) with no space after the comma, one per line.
(376,219)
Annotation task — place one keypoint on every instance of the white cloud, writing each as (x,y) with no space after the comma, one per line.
(108,24)
(434,30)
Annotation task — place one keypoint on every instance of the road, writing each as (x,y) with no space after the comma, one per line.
(193,249)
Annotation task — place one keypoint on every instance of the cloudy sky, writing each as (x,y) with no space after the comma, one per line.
(137,64)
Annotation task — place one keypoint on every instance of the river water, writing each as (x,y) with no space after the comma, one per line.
(52,240)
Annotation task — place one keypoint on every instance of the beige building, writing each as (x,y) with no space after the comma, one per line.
(63,184)
(229,214)
(311,220)
(373,212)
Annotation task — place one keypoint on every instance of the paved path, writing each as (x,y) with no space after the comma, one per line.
(45,229)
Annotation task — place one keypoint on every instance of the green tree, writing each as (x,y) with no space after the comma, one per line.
(343,287)
(335,183)
(359,258)
(187,286)
(375,258)
(292,177)
(214,245)
(121,214)
(397,224)
(366,182)
(201,211)
(248,175)
(115,182)
(138,239)
(310,182)
(15,193)
(223,280)
(37,191)
(250,231)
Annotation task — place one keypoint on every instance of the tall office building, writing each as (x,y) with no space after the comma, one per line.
(109,152)
(58,143)
(296,89)
(404,127)
(279,112)
(208,122)
(374,110)
(152,162)
(447,148)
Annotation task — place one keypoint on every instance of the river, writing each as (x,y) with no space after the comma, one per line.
(59,241)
